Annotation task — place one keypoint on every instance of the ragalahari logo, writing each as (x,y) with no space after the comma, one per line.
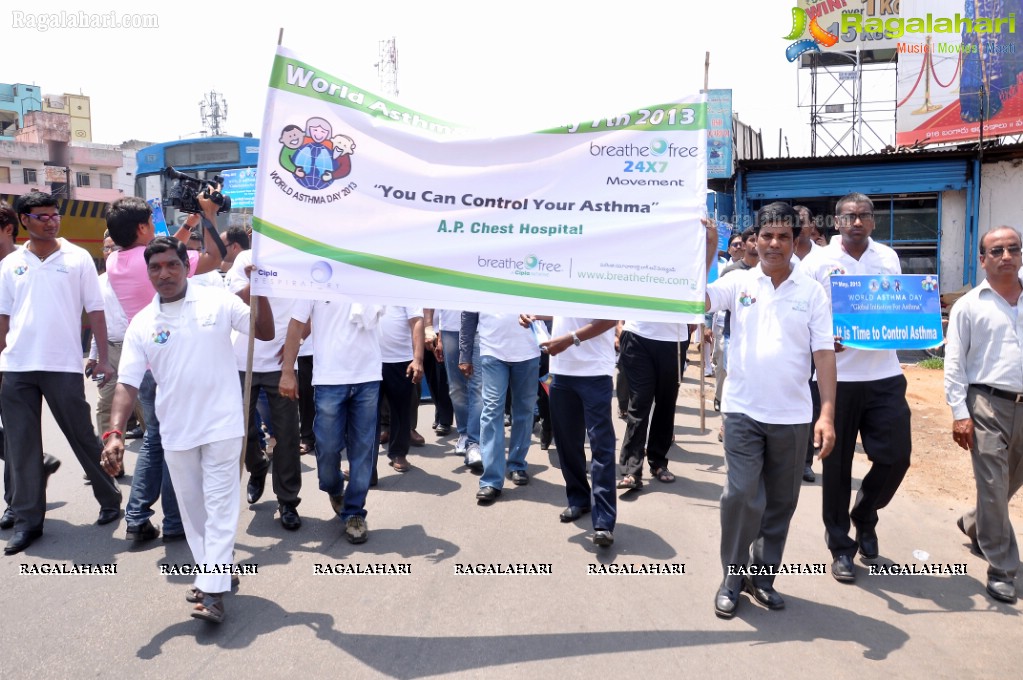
(801,22)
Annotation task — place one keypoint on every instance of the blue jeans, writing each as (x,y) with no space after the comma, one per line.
(151,479)
(346,418)
(581,406)
(466,393)
(498,376)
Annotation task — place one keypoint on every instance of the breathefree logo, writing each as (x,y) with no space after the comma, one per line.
(530,265)
(801,23)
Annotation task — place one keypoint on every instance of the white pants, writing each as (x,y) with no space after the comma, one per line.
(207,483)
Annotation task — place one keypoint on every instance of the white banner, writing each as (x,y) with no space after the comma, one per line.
(360,197)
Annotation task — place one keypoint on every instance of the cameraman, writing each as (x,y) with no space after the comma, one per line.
(130,223)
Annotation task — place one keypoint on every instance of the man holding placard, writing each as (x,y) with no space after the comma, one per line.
(870,400)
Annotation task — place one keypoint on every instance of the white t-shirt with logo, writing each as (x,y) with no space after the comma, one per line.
(774,333)
(501,336)
(188,348)
(44,300)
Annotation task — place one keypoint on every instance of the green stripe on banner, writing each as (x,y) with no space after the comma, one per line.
(315,84)
(662,117)
(455,279)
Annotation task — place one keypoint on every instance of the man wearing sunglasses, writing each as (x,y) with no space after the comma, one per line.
(983,384)
(43,289)
(870,400)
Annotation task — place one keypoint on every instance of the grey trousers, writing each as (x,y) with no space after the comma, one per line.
(22,395)
(765,467)
(997,457)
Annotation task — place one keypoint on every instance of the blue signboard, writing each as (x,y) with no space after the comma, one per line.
(887,312)
(719,133)
(240,185)
(159,221)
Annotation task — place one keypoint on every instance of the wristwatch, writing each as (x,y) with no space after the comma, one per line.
(575,339)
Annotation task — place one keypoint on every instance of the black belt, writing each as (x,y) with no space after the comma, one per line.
(1003,394)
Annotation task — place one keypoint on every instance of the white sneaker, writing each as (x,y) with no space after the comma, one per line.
(473,457)
(461,444)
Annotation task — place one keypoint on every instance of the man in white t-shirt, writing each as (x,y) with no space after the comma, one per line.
(346,381)
(266,377)
(870,401)
(779,319)
(402,339)
(43,289)
(582,361)
(184,337)
(509,359)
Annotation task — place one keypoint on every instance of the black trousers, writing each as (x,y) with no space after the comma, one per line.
(287,470)
(652,367)
(877,411)
(306,405)
(396,388)
(436,377)
(22,396)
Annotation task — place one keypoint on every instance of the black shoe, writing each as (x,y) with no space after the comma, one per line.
(142,532)
(545,440)
(725,602)
(487,495)
(765,595)
(21,540)
(974,545)
(134,433)
(9,518)
(1000,590)
(50,465)
(842,569)
(717,404)
(289,516)
(257,482)
(867,538)
(519,477)
(442,430)
(173,538)
(572,513)
(603,538)
(808,475)
(108,515)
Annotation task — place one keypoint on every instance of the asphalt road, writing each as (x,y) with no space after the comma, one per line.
(435,621)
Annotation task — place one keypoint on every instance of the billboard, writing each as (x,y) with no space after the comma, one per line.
(959,66)
(818,26)
(719,134)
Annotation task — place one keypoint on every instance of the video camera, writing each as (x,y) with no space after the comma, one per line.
(184,195)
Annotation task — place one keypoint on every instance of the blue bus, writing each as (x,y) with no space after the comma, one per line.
(234,158)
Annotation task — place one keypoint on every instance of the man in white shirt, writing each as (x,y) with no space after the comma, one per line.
(8,234)
(43,290)
(582,361)
(779,319)
(184,337)
(509,360)
(346,378)
(870,400)
(983,384)
(266,377)
(803,247)
(402,339)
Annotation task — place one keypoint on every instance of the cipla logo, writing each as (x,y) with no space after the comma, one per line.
(818,36)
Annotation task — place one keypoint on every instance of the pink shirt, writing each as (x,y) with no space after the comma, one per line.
(129,277)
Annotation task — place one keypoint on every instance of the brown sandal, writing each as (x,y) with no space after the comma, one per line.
(210,609)
(194,595)
(631,482)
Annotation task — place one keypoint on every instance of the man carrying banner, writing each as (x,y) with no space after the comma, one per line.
(870,400)
(779,319)
(184,337)
(983,384)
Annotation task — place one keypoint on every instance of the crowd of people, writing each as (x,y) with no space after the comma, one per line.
(175,327)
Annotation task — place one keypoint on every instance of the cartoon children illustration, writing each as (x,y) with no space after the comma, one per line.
(291,138)
(319,159)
